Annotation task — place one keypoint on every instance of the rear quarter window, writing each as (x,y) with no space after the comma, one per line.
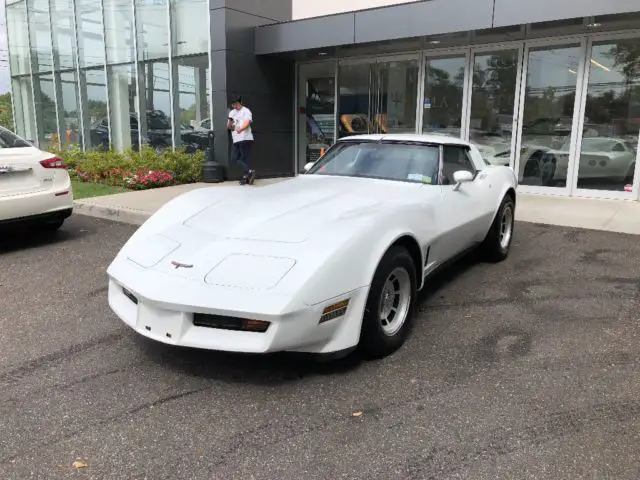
(11,140)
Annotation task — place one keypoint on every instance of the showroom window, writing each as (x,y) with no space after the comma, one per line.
(90,33)
(46,114)
(155,124)
(610,131)
(110,73)
(118,29)
(124,132)
(153,29)
(40,36)
(18,38)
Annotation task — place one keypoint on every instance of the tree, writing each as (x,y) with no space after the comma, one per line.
(6,112)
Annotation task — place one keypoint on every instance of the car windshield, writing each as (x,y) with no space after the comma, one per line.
(158,121)
(11,140)
(407,162)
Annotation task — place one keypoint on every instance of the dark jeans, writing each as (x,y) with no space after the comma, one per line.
(241,154)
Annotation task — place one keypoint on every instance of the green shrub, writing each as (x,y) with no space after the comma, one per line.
(134,169)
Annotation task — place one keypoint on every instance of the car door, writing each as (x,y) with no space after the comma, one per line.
(465,210)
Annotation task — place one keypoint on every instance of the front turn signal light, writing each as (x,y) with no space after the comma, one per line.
(334,311)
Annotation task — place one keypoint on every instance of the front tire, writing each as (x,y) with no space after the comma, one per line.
(389,309)
(497,243)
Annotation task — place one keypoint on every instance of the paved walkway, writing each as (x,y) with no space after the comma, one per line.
(609,215)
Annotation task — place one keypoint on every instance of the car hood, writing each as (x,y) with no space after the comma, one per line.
(293,211)
(247,237)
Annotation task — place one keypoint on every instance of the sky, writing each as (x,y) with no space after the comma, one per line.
(4,55)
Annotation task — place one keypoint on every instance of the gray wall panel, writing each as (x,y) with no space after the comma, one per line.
(241,30)
(218,29)
(422,18)
(265,84)
(272,10)
(515,12)
(306,34)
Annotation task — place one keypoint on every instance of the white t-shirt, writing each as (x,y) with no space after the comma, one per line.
(239,117)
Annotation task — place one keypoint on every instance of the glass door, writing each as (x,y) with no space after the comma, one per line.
(493,118)
(316,111)
(395,91)
(357,99)
(443,97)
(378,96)
(549,115)
(610,127)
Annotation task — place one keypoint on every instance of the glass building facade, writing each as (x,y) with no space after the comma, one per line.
(557,101)
(119,73)
(550,88)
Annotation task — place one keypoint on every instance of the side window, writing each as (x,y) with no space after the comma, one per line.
(618,148)
(206,124)
(454,159)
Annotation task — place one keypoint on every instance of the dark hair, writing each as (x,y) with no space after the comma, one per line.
(236,100)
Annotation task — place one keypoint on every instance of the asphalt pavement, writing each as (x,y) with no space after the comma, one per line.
(522,370)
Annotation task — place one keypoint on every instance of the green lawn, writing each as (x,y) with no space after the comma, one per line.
(86,190)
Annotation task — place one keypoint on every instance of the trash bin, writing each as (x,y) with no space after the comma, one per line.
(212,171)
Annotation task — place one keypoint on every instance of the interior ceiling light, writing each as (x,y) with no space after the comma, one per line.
(434,42)
(594,25)
(599,65)
(322,53)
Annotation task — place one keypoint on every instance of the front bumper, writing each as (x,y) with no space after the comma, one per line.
(297,330)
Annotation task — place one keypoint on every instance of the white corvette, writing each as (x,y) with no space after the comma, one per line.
(321,263)
(35,187)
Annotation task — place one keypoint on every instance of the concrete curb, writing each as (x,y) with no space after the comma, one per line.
(118,214)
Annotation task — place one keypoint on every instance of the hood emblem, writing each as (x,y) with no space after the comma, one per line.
(180,265)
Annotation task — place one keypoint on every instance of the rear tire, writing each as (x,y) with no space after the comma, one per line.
(389,309)
(53,227)
(497,243)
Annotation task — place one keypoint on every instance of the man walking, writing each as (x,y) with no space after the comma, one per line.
(240,120)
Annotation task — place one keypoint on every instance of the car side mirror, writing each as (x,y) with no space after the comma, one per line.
(308,166)
(460,177)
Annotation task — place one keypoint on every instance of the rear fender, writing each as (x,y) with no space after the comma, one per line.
(508,181)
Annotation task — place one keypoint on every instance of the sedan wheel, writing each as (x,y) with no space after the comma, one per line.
(389,309)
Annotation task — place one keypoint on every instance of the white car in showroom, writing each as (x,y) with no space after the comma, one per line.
(321,263)
(35,187)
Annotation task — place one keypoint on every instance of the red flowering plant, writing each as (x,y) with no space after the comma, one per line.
(144,179)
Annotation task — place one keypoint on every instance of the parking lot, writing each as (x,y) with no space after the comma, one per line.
(525,369)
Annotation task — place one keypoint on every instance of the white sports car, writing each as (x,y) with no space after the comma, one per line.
(35,187)
(321,263)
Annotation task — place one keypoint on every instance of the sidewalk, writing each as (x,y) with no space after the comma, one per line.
(610,215)
(135,207)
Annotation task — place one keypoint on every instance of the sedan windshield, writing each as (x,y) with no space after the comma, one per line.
(417,163)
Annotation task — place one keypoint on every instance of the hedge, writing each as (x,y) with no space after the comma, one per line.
(146,168)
